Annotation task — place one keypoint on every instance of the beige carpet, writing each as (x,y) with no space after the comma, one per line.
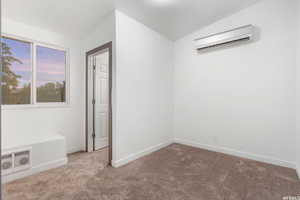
(176,172)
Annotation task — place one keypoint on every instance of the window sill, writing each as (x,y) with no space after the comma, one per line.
(35,106)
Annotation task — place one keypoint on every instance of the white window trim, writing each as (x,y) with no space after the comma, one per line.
(33,103)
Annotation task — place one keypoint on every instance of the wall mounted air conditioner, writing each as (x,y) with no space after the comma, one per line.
(244,33)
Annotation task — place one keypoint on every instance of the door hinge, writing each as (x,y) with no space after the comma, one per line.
(93,135)
(93,101)
(94,67)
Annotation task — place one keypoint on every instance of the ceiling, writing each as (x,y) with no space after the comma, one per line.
(76,18)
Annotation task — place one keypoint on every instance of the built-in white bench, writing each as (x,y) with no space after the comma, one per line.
(24,156)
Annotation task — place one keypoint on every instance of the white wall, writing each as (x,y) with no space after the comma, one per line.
(144,88)
(298,95)
(142,84)
(241,100)
(103,32)
(68,121)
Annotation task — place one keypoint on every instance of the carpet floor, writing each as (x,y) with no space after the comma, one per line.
(176,172)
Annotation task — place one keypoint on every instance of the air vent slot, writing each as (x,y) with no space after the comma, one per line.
(15,161)
(22,158)
(6,163)
(226,43)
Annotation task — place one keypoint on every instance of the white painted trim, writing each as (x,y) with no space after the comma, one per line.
(35,169)
(29,40)
(135,156)
(101,143)
(75,150)
(298,171)
(233,152)
(36,106)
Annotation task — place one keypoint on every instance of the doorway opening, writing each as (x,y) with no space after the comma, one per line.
(99,100)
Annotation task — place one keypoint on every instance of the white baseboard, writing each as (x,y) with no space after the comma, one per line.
(298,171)
(75,150)
(34,170)
(233,152)
(132,157)
(101,143)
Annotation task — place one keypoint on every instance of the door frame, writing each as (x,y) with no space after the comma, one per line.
(89,53)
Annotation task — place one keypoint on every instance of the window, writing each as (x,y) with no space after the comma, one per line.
(16,80)
(51,84)
(33,73)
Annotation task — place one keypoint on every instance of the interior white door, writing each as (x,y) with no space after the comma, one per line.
(101,100)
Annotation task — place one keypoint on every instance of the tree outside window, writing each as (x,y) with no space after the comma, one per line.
(18,70)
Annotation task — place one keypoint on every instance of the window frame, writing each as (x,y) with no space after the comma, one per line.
(33,99)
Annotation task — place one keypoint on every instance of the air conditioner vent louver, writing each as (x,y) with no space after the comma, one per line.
(21,158)
(6,165)
(6,162)
(15,161)
(237,35)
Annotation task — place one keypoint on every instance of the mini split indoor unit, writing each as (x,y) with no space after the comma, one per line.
(241,34)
